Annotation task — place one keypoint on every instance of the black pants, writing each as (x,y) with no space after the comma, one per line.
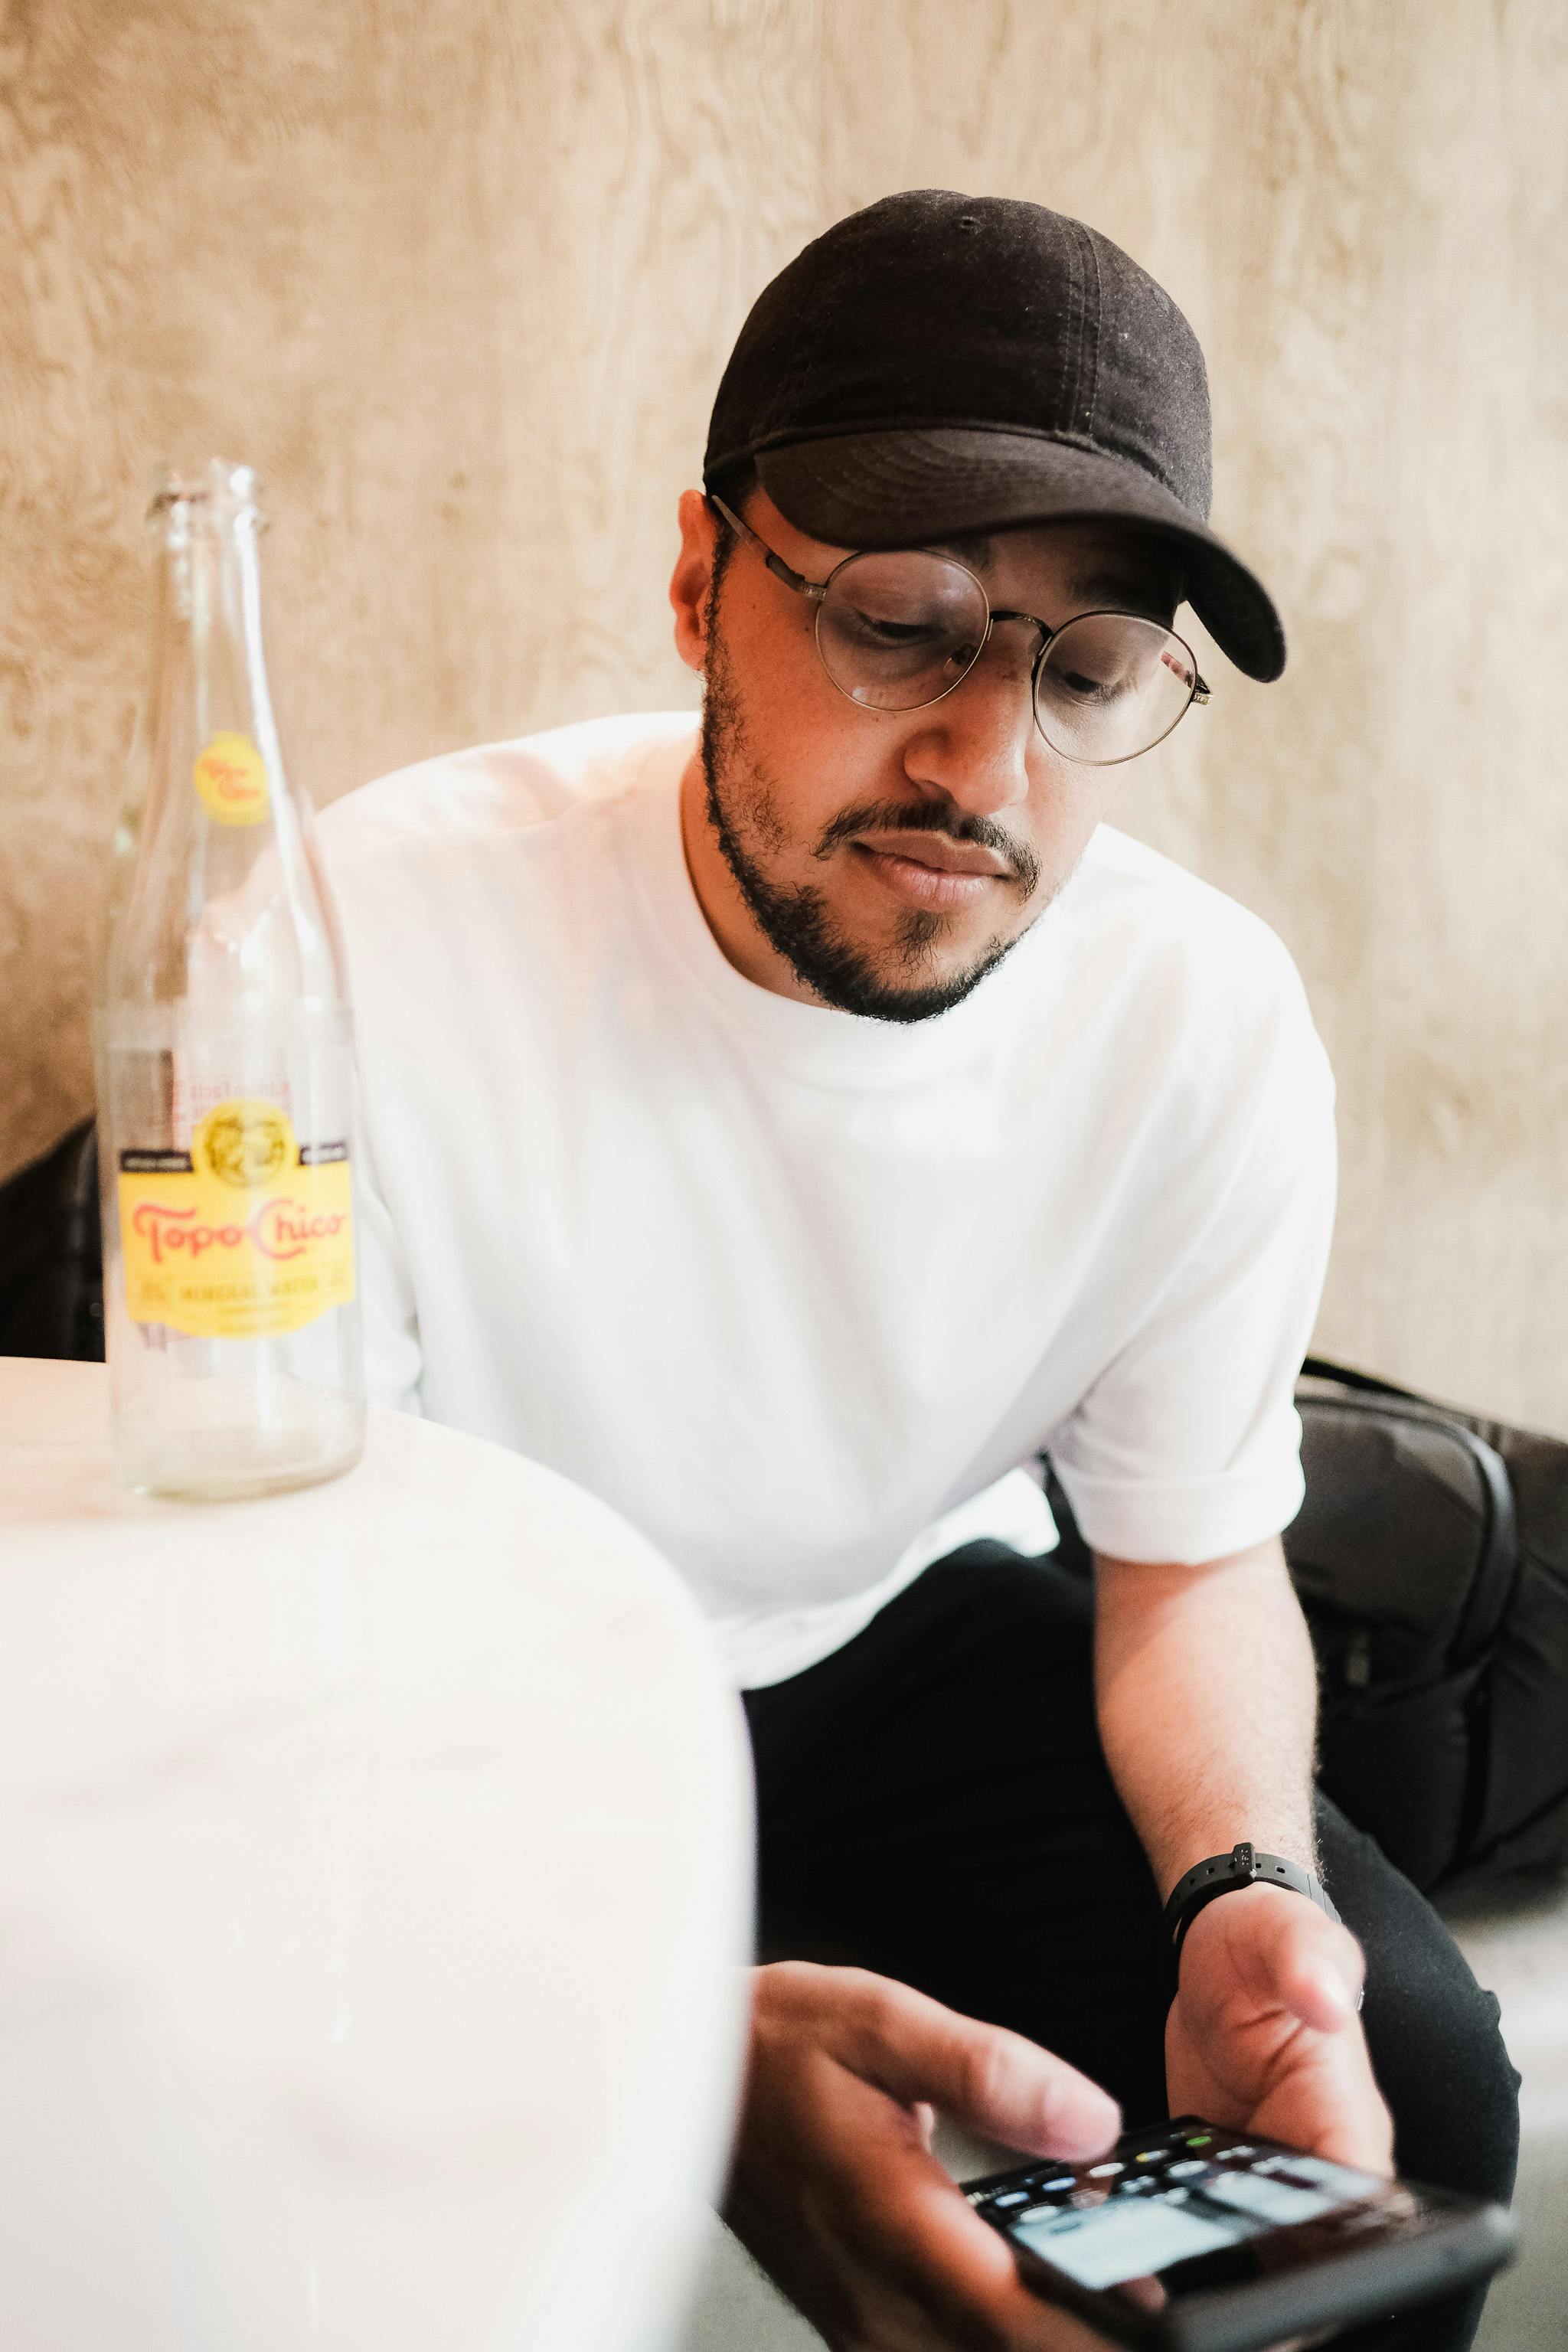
(934,1804)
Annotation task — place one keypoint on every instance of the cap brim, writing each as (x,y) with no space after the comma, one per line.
(899,488)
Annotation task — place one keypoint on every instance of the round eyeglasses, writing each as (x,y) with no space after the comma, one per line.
(899,629)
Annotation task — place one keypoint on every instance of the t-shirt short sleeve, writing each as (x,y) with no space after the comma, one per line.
(1187,1445)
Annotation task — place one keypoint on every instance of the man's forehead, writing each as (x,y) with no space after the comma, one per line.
(1088,562)
(1092,562)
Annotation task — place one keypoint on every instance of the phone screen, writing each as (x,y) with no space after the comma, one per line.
(1187,2207)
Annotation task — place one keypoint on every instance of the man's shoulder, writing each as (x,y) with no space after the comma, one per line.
(1166,920)
(499,789)
(1200,978)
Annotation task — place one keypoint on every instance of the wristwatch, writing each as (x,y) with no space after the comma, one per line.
(1221,1873)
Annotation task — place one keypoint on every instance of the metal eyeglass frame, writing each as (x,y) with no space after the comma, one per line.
(815,590)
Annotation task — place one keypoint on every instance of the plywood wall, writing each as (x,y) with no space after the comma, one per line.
(460,279)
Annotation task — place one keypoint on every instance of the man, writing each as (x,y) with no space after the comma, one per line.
(789,1127)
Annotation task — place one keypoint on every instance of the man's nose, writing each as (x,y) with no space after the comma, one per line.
(974,745)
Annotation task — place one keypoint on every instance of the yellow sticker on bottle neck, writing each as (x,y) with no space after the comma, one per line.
(231,779)
(245,1237)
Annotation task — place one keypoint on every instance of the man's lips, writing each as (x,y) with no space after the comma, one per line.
(937,851)
(929,870)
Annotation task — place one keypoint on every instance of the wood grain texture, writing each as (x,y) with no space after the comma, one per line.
(460,282)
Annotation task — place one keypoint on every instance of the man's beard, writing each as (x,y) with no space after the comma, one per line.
(795,918)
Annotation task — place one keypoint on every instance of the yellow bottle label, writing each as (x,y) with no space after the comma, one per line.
(231,779)
(245,1237)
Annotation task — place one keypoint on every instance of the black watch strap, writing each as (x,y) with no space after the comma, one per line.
(1221,1873)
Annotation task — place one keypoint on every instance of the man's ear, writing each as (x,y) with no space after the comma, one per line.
(692,577)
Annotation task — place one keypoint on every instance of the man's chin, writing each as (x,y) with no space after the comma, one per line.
(912,968)
(904,1006)
(894,985)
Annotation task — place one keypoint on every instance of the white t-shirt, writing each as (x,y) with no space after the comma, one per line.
(787,1287)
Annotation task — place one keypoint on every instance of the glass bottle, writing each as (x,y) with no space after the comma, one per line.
(226,1092)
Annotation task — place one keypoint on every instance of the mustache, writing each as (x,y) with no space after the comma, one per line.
(899,817)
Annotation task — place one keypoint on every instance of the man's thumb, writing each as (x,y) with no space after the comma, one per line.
(1318,1968)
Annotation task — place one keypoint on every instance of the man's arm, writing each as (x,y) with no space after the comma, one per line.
(1206,1696)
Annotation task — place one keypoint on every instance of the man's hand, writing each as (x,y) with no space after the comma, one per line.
(834,2189)
(1264,2034)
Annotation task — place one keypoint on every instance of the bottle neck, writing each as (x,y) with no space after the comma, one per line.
(209,832)
(209,679)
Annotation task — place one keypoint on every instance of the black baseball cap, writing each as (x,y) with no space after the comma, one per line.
(941,363)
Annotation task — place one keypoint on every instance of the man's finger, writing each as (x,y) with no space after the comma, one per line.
(999,2083)
(934,2251)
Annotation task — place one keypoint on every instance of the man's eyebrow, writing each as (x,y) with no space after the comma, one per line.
(973,548)
(1094,589)
(1088,590)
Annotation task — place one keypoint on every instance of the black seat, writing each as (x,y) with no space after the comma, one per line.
(51,1259)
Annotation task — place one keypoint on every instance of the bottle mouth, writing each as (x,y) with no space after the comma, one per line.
(205,495)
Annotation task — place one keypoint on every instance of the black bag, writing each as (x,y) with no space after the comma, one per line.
(51,1269)
(1431,1557)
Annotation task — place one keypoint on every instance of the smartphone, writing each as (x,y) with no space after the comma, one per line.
(1207,2240)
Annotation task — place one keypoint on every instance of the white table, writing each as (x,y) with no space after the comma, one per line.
(373,1896)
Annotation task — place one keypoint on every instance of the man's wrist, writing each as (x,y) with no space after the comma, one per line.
(1222,1874)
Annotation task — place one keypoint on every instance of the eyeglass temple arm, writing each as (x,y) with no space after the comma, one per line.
(776,564)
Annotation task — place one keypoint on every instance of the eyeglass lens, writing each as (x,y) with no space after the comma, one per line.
(898,630)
